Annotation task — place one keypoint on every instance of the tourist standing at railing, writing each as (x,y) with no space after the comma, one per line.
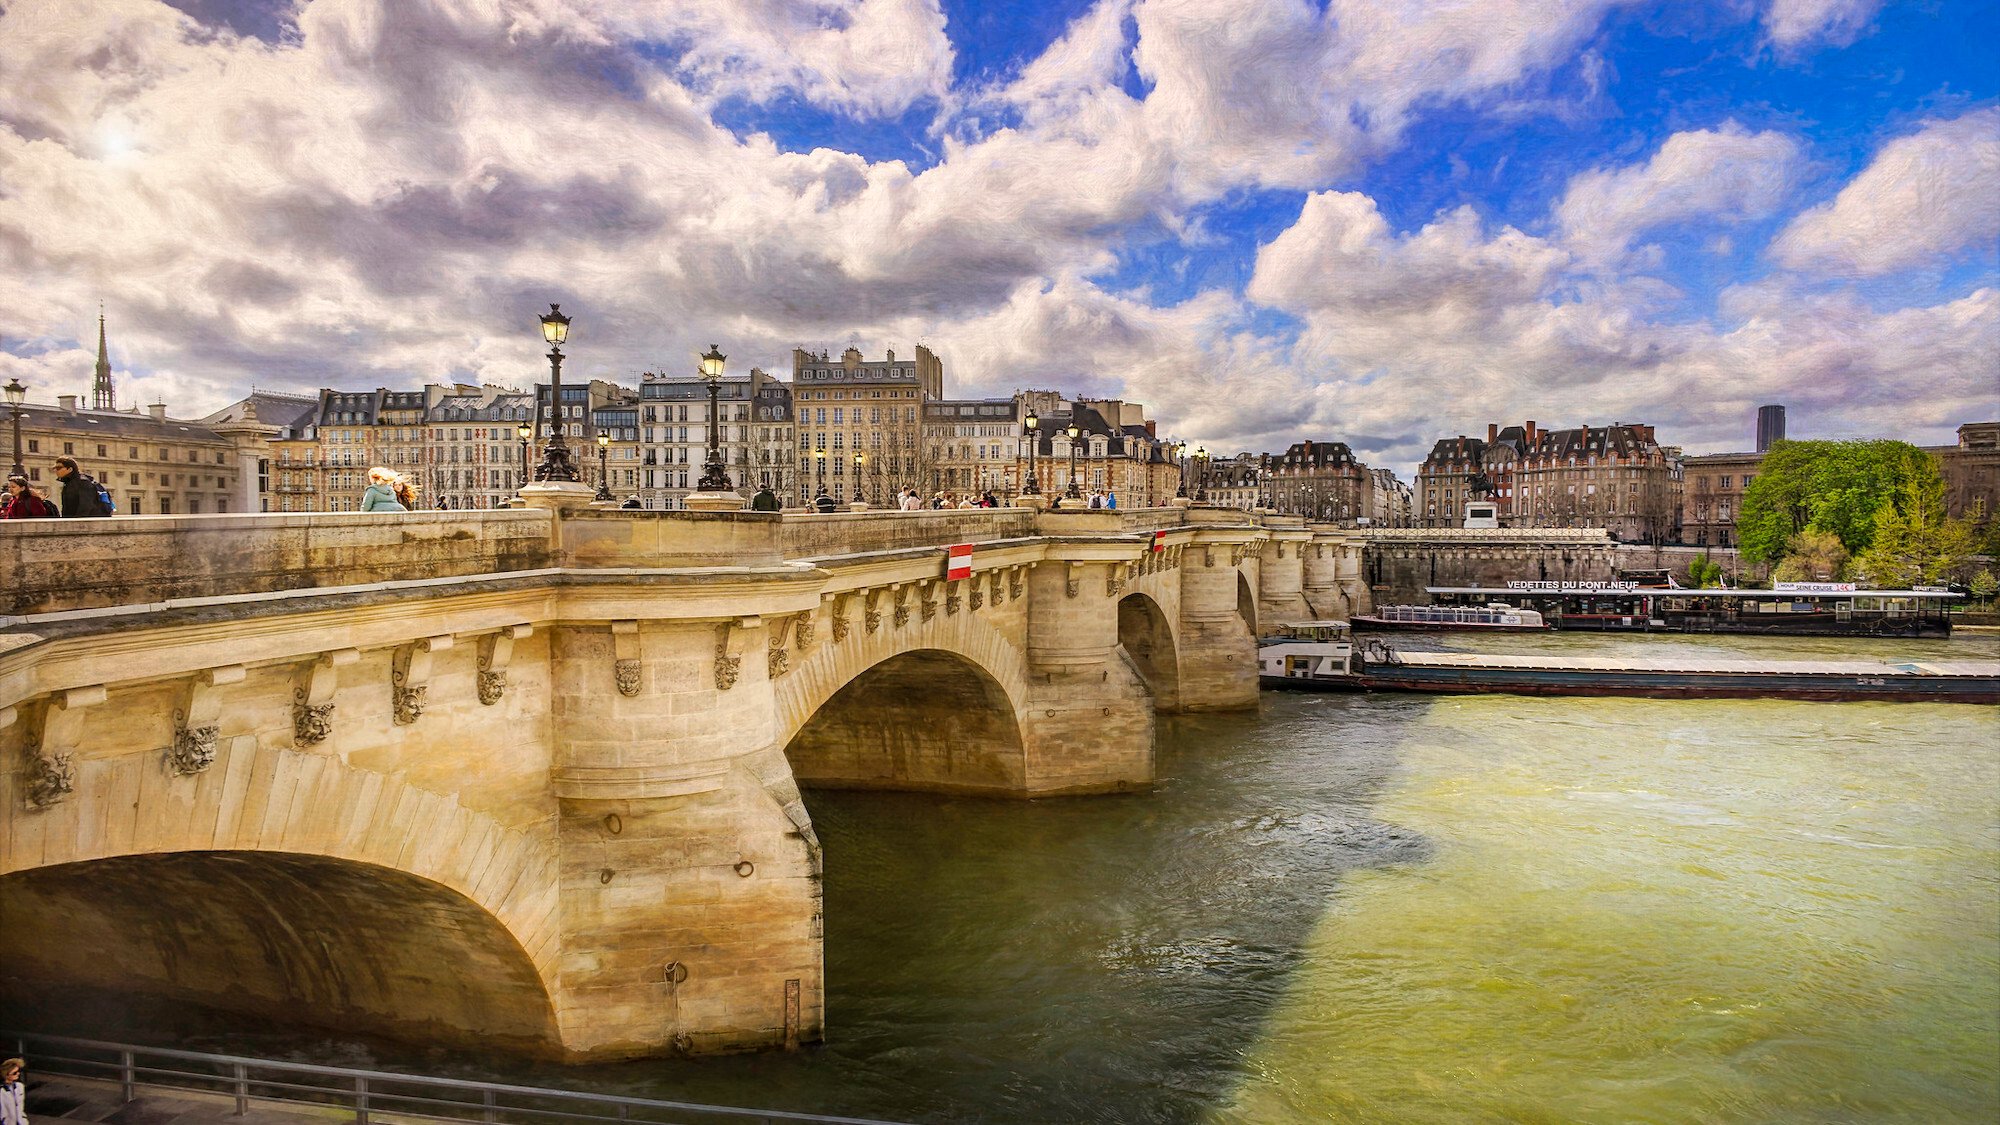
(23,502)
(81,496)
(13,1096)
(911,502)
(765,501)
(382,495)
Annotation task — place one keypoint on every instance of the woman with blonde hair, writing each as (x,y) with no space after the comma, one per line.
(13,1098)
(385,492)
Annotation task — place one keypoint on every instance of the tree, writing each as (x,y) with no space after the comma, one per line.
(1813,556)
(1983,587)
(1831,486)
(1704,573)
(1914,543)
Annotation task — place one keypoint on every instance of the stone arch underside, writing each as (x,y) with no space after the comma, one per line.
(1147,636)
(1246,602)
(927,719)
(292,937)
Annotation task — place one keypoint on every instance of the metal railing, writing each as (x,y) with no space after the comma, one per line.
(372,1096)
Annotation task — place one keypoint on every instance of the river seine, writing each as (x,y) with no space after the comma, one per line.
(1409,908)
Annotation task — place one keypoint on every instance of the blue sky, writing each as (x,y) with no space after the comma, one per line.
(1380,221)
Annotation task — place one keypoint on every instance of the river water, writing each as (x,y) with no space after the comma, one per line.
(1408,908)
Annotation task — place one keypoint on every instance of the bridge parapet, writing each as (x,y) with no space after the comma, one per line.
(51,565)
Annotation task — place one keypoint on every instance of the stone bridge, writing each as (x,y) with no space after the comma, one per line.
(533,778)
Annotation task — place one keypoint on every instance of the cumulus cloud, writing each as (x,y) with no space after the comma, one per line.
(1795,24)
(1722,175)
(1458,323)
(865,57)
(389,192)
(1924,197)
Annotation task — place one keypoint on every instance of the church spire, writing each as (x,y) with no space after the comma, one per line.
(101,396)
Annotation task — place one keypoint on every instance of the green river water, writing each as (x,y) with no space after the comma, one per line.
(1409,908)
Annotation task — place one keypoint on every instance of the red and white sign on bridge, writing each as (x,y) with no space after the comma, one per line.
(957,562)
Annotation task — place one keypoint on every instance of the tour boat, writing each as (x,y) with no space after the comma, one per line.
(1787,609)
(1494,618)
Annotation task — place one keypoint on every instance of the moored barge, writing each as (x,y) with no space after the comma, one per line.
(1497,618)
(1320,656)
(1698,678)
(1834,609)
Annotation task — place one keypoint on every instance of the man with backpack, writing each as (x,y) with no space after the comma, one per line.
(81,495)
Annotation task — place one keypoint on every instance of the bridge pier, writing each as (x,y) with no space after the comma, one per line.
(1281,578)
(1218,651)
(1087,722)
(690,874)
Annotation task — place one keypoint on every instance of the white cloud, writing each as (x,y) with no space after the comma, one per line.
(1795,24)
(1924,198)
(869,58)
(1725,175)
(393,193)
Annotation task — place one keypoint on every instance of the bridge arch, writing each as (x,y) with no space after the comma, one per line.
(279,935)
(249,860)
(1146,633)
(925,718)
(1246,601)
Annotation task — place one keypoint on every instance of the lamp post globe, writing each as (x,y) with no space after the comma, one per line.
(603,477)
(556,464)
(1033,424)
(714,476)
(524,432)
(16,395)
(1073,432)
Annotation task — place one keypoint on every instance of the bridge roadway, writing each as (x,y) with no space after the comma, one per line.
(532,778)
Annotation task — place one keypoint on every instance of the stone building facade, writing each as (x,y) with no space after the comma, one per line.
(1971,471)
(1616,477)
(852,406)
(1320,480)
(673,434)
(1712,488)
(152,464)
(970,445)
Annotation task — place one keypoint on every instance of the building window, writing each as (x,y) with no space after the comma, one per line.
(166,505)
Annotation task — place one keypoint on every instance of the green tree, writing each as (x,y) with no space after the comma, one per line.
(1813,556)
(1704,573)
(1984,586)
(1914,544)
(1829,486)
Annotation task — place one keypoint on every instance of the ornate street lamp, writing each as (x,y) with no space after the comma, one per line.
(714,477)
(16,395)
(1201,474)
(556,464)
(1180,462)
(603,477)
(1073,432)
(525,432)
(860,462)
(819,459)
(1033,423)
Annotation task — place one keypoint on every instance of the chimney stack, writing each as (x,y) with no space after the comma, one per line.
(1492,432)
(1531,433)
(158,411)
(67,402)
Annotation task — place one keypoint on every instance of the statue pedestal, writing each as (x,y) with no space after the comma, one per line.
(713,502)
(556,495)
(1035,500)
(857,505)
(1180,502)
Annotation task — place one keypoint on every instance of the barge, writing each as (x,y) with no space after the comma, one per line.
(1321,656)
